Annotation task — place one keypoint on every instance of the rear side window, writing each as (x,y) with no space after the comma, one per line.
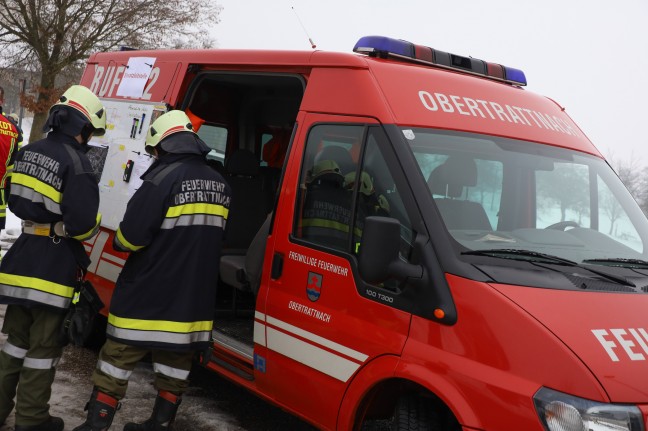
(216,138)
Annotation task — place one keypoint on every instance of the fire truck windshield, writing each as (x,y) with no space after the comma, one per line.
(496,193)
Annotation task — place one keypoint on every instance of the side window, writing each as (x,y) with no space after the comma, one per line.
(324,205)
(216,138)
(614,221)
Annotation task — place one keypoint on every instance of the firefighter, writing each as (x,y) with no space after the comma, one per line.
(326,214)
(372,203)
(163,299)
(55,193)
(10,138)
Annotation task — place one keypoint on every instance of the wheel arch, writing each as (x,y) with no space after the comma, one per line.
(376,388)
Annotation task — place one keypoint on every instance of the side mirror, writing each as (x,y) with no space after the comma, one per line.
(379,252)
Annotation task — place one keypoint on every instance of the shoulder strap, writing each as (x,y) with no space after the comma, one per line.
(159,176)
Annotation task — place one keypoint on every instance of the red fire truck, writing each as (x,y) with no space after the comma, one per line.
(415,240)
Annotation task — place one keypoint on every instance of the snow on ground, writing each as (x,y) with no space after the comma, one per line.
(72,387)
(10,232)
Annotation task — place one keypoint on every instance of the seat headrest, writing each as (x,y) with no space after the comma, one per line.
(339,155)
(451,177)
(242,162)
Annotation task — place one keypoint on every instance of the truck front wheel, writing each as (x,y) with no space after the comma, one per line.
(415,412)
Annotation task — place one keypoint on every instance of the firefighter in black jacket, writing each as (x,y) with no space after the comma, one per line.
(54,191)
(164,296)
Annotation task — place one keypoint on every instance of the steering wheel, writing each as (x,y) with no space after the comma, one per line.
(562,225)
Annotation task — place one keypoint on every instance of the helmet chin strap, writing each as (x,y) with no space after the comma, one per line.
(86,134)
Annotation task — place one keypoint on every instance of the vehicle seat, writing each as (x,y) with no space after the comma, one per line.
(244,272)
(249,205)
(450,181)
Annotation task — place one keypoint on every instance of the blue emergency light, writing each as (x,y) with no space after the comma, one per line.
(384,47)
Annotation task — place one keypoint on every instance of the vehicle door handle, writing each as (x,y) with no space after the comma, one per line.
(277,266)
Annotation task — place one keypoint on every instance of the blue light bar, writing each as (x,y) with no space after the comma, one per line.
(386,47)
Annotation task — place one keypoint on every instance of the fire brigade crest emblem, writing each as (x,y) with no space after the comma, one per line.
(314,286)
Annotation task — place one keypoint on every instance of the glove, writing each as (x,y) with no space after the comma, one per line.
(79,321)
(383,206)
(80,325)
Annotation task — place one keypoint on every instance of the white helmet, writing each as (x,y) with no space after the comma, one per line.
(167,124)
(88,104)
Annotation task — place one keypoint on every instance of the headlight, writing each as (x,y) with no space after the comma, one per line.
(562,412)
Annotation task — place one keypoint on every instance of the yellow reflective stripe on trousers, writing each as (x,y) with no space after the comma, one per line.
(21,281)
(123,242)
(36,185)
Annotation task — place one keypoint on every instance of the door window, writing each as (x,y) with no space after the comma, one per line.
(333,204)
(324,213)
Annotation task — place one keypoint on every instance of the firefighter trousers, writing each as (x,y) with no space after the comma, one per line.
(117,362)
(27,362)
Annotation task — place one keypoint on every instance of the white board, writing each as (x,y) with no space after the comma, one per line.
(123,144)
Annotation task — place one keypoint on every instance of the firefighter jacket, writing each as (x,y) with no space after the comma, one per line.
(52,182)
(10,137)
(173,227)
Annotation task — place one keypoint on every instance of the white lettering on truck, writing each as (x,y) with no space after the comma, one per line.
(631,341)
(106,81)
(454,104)
(318,263)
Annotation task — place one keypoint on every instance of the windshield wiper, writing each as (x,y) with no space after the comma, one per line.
(521,254)
(621,262)
(537,257)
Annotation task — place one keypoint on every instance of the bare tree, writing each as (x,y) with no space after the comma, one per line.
(54,36)
(634,175)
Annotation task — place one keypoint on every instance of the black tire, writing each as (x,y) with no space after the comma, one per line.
(415,413)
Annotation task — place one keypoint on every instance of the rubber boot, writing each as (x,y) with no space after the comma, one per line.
(51,424)
(101,411)
(163,416)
